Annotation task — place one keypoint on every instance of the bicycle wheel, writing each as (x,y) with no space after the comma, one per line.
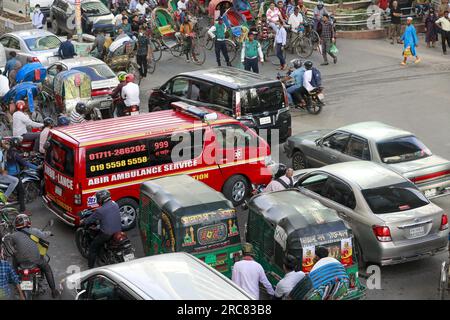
(177,50)
(231,49)
(151,66)
(315,39)
(198,54)
(304,47)
(156,48)
(272,56)
(208,42)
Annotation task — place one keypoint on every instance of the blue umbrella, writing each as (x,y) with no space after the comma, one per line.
(20,91)
(33,72)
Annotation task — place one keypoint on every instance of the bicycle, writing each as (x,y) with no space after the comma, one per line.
(300,43)
(196,52)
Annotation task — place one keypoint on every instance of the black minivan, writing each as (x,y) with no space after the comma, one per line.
(258,102)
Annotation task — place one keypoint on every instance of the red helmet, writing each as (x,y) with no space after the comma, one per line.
(22,221)
(129,78)
(20,105)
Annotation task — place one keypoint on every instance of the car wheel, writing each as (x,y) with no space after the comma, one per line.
(128,213)
(236,189)
(299,160)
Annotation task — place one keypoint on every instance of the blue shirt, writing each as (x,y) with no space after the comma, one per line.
(297,74)
(133,4)
(10,65)
(66,50)
(108,216)
(7,276)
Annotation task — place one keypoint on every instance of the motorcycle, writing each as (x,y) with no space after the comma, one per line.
(314,102)
(117,249)
(122,110)
(31,277)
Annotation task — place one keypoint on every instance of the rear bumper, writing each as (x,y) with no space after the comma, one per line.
(59,212)
(442,188)
(399,252)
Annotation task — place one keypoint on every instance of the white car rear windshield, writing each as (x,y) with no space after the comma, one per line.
(395,198)
(402,149)
(43,43)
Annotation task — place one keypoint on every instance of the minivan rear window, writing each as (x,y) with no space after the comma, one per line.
(263,98)
(60,157)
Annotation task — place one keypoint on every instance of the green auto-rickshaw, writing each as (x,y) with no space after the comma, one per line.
(289,222)
(179,213)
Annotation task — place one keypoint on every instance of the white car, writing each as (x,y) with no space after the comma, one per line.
(171,276)
(103,80)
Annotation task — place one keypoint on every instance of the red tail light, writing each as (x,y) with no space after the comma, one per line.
(35,59)
(382,233)
(77,194)
(430,176)
(100,92)
(444,222)
(134,108)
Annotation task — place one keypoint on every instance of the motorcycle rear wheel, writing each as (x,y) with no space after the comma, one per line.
(315,106)
(32,191)
(82,242)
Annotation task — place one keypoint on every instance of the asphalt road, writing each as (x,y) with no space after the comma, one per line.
(368,83)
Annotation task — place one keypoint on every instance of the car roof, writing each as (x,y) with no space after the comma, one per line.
(176,276)
(291,205)
(80,61)
(184,195)
(366,174)
(133,127)
(375,130)
(33,33)
(230,77)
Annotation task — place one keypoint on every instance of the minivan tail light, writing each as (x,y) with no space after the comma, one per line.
(134,108)
(77,195)
(444,222)
(382,233)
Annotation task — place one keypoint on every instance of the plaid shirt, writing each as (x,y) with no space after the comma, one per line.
(327,31)
(7,276)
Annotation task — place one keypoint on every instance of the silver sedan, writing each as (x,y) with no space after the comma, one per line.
(374,141)
(393,222)
(40,45)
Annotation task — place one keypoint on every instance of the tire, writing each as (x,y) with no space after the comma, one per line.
(31,191)
(129,209)
(299,161)
(304,47)
(156,47)
(198,54)
(81,241)
(232,50)
(55,28)
(235,189)
(208,43)
(314,37)
(315,107)
(272,56)
(151,66)
(362,264)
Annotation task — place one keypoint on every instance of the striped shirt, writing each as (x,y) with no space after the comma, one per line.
(273,15)
(75,117)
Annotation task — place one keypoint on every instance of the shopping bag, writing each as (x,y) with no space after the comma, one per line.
(334,50)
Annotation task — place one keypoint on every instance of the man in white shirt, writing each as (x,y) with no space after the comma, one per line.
(295,20)
(290,279)
(20,122)
(248,273)
(130,92)
(38,18)
(141,7)
(281,183)
(4,84)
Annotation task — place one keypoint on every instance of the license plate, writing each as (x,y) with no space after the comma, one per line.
(430,192)
(265,120)
(58,191)
(26,285)
(134,113)
(320,96)
(105,104)
(128,257)
(417,232)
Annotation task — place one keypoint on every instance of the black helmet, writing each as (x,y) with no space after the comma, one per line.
(81,108)
(48,122)
(308,65)
(281,171)
(297,63)
(63,121)
(102,196)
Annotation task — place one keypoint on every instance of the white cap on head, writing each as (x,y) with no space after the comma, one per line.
(409,18)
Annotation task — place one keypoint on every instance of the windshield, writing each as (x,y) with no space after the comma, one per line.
(97,72)
(402,149)
(94,8)
(263,98)
(60,157)
(398,197)
(43,43)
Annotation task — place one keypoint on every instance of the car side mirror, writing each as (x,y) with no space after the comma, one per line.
(318,142)
(80,294)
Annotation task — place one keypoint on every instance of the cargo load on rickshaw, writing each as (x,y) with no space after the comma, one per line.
(290,223)
(180,213)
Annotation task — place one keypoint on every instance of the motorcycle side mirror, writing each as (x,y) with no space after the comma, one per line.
(80,294)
